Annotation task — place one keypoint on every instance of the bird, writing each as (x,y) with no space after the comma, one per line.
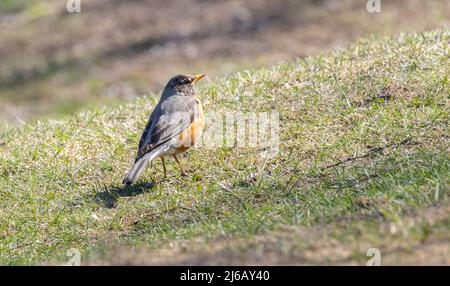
(175,124)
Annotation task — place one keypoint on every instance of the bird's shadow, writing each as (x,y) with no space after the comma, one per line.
(108,198)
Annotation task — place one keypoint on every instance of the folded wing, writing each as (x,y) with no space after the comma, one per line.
(169,119)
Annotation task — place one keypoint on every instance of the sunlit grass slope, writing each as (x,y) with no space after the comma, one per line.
(363,138)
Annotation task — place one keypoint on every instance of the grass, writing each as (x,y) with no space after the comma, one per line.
(363,147)
(13,5)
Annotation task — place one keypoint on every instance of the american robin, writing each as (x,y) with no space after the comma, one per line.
(173,127)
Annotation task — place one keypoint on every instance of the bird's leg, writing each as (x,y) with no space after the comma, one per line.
(183,173)
(151,171)
(164,167)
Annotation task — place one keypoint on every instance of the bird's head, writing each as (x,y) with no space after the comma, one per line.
(183,84)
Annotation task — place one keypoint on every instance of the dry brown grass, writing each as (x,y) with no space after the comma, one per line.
(341,243)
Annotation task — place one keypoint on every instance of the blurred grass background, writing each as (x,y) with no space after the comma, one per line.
(54,63)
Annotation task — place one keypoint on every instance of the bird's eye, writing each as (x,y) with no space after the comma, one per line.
(184,81)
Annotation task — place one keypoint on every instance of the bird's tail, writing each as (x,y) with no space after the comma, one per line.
(139,166)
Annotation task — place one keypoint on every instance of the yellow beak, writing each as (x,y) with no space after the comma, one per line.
(198,77)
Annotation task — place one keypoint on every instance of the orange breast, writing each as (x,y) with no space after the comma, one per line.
(193,132)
